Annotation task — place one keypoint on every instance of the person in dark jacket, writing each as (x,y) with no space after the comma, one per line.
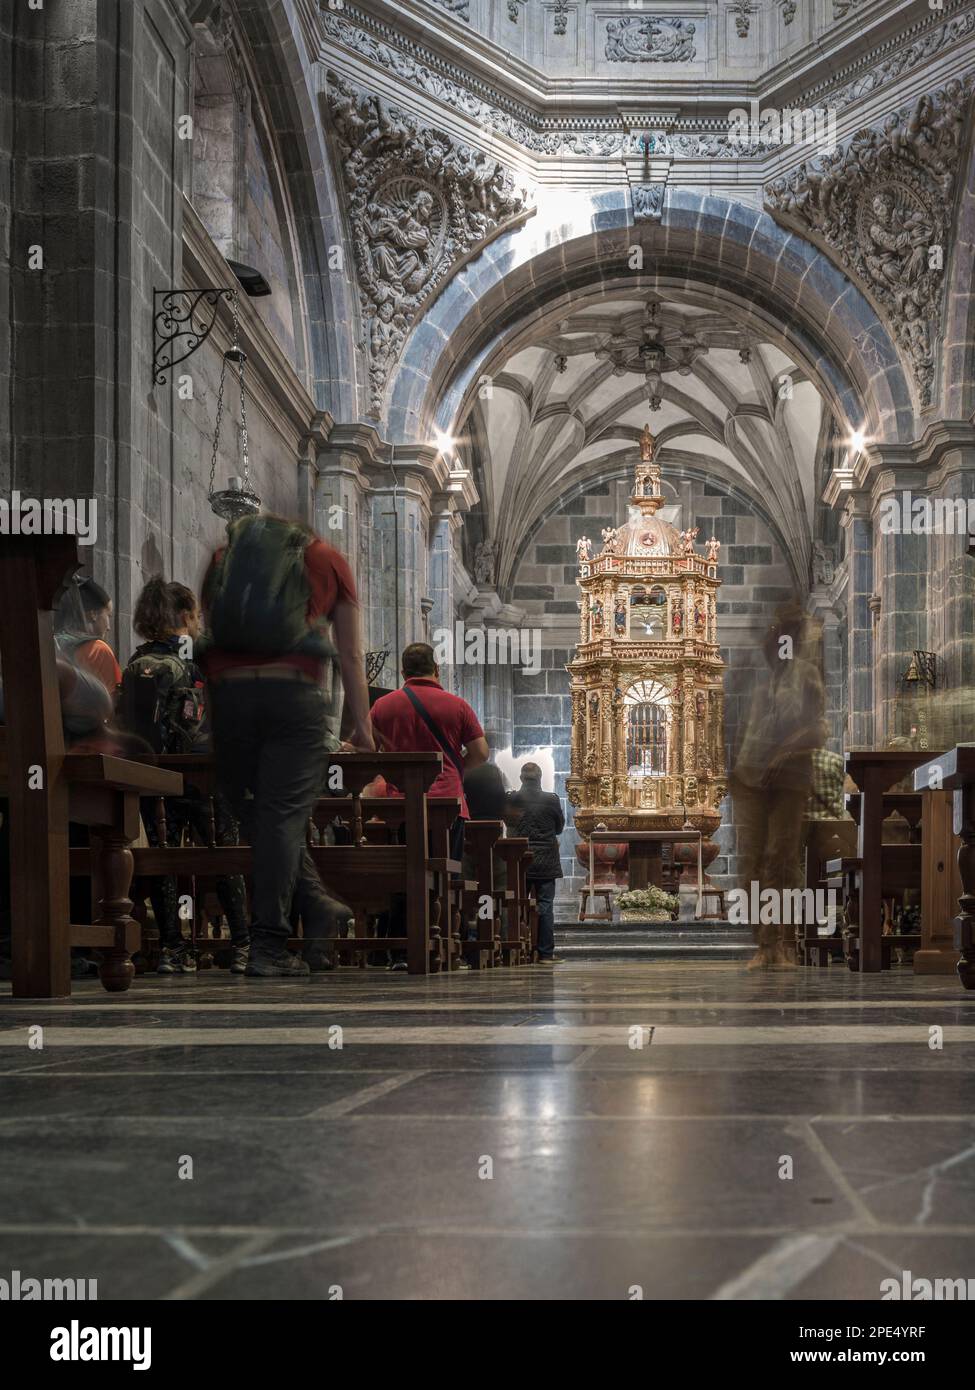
(168,619)
(487,799)
(541,819)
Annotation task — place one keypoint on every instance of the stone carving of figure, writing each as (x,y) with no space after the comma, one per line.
(583,550)
(400,242)
(647,443)
(700,617)
(484,563)
(611,540)
(688,537)
(900,240)
(597,618)
(678,622)
(822,563)
(619,617)
(713,546)
(699,705)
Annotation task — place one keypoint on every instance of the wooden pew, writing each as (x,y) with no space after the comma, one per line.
(383,818)
(480,839)
(364,875)
(863,877)
(519,940)
(954,771)
(47,787)
(824,840)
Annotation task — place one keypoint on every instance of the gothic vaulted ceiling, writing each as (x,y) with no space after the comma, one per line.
(568,407)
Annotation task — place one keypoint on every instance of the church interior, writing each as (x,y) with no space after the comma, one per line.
(609,370)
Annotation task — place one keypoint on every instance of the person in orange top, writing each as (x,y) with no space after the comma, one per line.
(82,621)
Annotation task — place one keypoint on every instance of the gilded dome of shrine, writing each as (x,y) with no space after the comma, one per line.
(648,535)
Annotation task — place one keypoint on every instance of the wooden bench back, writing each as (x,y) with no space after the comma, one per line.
(33,570)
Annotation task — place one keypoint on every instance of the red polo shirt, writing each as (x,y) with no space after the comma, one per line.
(403,731)
(329,579)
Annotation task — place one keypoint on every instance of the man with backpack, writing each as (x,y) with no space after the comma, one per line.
(270,595)
(422,717)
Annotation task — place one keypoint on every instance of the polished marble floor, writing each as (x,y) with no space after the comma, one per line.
(576,1132)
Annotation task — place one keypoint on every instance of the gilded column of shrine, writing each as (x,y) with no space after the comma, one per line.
(646,679)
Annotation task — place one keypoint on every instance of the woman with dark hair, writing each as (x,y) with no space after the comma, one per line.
(81,622)
(163,701)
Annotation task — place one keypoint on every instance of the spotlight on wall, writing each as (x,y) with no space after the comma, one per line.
(857,441)
(252,281)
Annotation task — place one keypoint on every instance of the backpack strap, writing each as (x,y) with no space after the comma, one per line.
(435,729)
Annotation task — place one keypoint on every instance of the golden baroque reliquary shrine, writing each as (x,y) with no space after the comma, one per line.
(646,681)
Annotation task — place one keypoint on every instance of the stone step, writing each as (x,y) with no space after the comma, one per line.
(629,941)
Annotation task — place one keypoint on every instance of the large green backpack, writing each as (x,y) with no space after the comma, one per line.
(257,593)
(256,596)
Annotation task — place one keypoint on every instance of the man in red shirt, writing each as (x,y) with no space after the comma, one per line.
(422,717)
(267,596)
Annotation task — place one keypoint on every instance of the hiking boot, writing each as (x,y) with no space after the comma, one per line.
(397,965)
(263,964)
(176,960)
(238,966)
(551,960)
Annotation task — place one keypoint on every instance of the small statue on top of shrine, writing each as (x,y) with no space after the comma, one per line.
(611,540)
(647,444)
(583,550)
(713,546)
(689,537)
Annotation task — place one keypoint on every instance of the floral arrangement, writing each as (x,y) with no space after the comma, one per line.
(638,904)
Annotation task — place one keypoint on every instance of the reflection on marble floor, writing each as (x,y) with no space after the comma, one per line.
(636,1121)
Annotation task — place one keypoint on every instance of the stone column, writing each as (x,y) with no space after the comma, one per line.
(900,582)
(485,609)
(821,607)
(949,454)
(860,646)
(343,513)
(445,570)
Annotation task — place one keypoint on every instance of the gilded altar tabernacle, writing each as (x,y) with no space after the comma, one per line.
(646,681)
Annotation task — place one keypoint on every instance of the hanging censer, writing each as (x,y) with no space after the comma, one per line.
(236,499)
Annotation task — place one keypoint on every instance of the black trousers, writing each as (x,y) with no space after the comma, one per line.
(269,741)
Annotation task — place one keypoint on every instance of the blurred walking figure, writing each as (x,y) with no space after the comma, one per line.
(772,777)
(271,595)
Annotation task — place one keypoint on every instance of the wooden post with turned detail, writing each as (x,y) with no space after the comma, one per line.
(954,771)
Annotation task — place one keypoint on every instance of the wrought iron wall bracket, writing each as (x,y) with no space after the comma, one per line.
(175,335)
